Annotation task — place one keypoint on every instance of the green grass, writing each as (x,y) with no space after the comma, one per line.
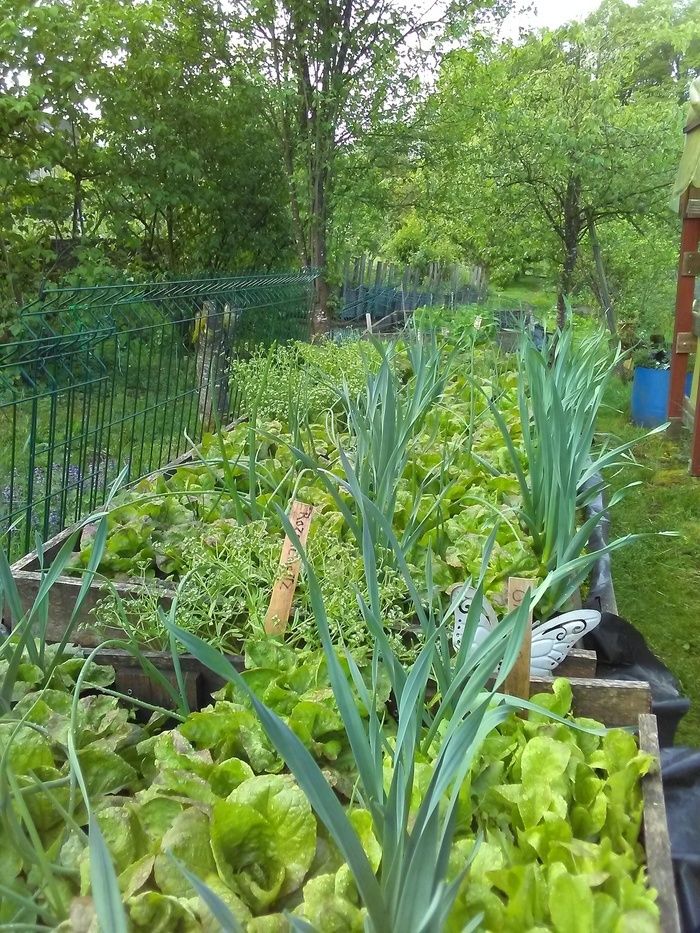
(657,579)
(526,292)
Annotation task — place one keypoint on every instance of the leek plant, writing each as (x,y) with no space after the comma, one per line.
(385,420)
(413,888)
(560,391)
(383,425)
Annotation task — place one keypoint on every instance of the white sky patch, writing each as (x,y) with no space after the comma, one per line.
(547,14)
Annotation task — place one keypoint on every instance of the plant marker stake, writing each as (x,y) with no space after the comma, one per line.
(280,606)
(368,322)
(517,683)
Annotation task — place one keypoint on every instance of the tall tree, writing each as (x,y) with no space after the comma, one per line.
(332,69)
(128,136)
(538,145)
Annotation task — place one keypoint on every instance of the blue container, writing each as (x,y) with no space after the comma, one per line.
(650,390)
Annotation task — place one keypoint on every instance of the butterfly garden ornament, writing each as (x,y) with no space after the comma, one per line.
(551,640)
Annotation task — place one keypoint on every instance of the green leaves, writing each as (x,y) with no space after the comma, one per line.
(292,837)
(208,838)
(559,402)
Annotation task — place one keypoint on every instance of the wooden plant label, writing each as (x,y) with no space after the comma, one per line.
(477,322)
(368,322)
(517,683)
(277,615)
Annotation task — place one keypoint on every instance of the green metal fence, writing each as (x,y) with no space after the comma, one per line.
(105,377)
(383,290)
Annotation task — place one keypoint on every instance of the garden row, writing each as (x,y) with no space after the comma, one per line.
(355,758)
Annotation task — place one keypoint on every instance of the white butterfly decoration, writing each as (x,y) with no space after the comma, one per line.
(551,641)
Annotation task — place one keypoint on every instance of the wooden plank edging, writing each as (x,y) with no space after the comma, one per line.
(611,702)
(656,841)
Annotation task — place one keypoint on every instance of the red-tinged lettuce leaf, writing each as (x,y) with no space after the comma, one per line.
(231,731)
(173,752)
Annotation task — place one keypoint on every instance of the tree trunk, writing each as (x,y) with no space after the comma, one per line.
(565,285)
(76,229)
(170,226)
(318,243)
(571,235)
(319,312)
(604,296)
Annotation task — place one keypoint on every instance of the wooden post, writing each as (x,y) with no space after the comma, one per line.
(277,615)
(213,334)
(346,282)
(685,293)
(517,683)
(695,445)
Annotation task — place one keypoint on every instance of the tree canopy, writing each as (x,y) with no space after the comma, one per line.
(161,139)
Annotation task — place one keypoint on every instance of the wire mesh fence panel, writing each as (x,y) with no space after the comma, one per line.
(381,290)
(107,377)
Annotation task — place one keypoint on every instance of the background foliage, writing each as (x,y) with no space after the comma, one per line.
(152,139)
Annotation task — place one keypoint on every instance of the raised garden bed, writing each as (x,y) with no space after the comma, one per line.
(62,597)
(61,601)
(63,594)
(191,787)
(612,702)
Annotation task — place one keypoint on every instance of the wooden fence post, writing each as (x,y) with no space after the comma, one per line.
(213,329)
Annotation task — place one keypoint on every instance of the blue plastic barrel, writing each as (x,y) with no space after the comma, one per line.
(650,390)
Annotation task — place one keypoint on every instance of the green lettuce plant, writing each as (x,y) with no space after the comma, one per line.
(29,623)
(410,889)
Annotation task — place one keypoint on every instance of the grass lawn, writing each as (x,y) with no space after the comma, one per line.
(657,580)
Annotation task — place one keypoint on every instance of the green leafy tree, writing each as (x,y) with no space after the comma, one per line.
(333,70)
(536,146)
(131,144)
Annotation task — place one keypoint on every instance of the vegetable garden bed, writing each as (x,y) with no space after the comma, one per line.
(214,786)
(614,703)
(28,574)
(344,776)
